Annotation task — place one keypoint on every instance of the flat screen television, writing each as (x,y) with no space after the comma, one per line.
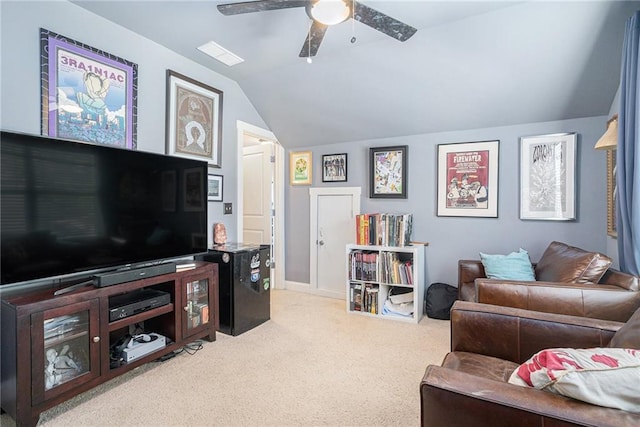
(71,209)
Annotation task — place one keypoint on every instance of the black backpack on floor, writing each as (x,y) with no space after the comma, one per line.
(440,298)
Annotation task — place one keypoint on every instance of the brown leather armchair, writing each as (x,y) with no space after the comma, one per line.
(615,296)
(488,343)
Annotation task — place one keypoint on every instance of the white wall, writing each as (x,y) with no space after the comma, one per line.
(451,239)
(20,81)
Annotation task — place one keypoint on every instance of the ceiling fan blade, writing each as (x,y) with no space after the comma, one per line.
(313,40)
(258,6)
(383,23)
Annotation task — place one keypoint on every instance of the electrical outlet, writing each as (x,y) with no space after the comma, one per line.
(228,209)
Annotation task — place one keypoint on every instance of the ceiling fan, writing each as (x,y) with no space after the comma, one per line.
(325,13)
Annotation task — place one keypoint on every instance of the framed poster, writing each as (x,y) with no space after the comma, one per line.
(388,172)
(334,167)
(87,94)
(548,177)
(214,192)
(300,167)
(194,119)
(468,179)
(612,193)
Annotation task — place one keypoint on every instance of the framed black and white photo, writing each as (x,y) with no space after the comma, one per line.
(548,177)
(334,167)
(214,192)
(468,179)
(388,172)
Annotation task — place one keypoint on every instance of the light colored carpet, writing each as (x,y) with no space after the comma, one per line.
(311,364)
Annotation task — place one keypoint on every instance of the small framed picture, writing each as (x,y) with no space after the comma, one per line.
(388,172)
(300,167)
(214,188)
(334,167)
(548,177)
(468,179)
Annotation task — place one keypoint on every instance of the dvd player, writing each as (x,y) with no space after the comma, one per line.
(125,305)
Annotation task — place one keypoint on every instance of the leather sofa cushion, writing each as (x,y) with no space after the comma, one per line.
(568,264)
(480,365)
(628,336)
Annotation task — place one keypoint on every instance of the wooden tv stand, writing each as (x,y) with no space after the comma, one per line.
(55,347)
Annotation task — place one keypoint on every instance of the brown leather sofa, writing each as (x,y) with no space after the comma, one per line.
(615,296)
(488,343)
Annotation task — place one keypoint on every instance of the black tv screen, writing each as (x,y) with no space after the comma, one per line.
(70,208)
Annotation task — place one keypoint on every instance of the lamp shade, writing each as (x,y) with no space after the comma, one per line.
(609,140)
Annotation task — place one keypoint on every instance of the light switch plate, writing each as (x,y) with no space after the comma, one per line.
(228,209)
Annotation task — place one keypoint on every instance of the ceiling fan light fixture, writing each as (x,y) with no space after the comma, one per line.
(330,12)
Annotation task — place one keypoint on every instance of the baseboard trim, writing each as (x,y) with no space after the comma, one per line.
(307,288)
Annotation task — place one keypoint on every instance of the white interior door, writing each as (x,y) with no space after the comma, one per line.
(333,227)
(257,194)
(248,135)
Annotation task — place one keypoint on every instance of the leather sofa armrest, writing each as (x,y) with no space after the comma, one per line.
(623,280)
(453,398)
(595,301)
(469,270)
(516,334)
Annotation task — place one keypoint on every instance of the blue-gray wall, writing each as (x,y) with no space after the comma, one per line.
(20,76)
(451,239)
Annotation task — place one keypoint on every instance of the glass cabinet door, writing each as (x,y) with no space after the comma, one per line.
(65,345)
(197,305)
(66,348)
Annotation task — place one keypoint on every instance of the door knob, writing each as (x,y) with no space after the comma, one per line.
(321,242)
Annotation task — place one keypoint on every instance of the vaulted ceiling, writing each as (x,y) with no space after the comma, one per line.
(471,64)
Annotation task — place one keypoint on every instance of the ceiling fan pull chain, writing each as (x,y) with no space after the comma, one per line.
(353,21)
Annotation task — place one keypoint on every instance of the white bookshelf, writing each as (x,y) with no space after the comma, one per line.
(372,271)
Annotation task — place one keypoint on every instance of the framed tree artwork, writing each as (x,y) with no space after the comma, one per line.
(388,172)
(548,177)
(300,167)
(194,119)
(468,179)
(87,94)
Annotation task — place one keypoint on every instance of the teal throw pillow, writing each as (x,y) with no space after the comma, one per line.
(515,266)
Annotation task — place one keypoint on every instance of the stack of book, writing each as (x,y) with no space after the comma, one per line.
(393,270)
(383,229)
(363,265)
(383,267)
(364,297)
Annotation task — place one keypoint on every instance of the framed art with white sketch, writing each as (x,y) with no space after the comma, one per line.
(548,177)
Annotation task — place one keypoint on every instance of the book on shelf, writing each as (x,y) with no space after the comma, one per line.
(355,297)
(370,298)
(382,229)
